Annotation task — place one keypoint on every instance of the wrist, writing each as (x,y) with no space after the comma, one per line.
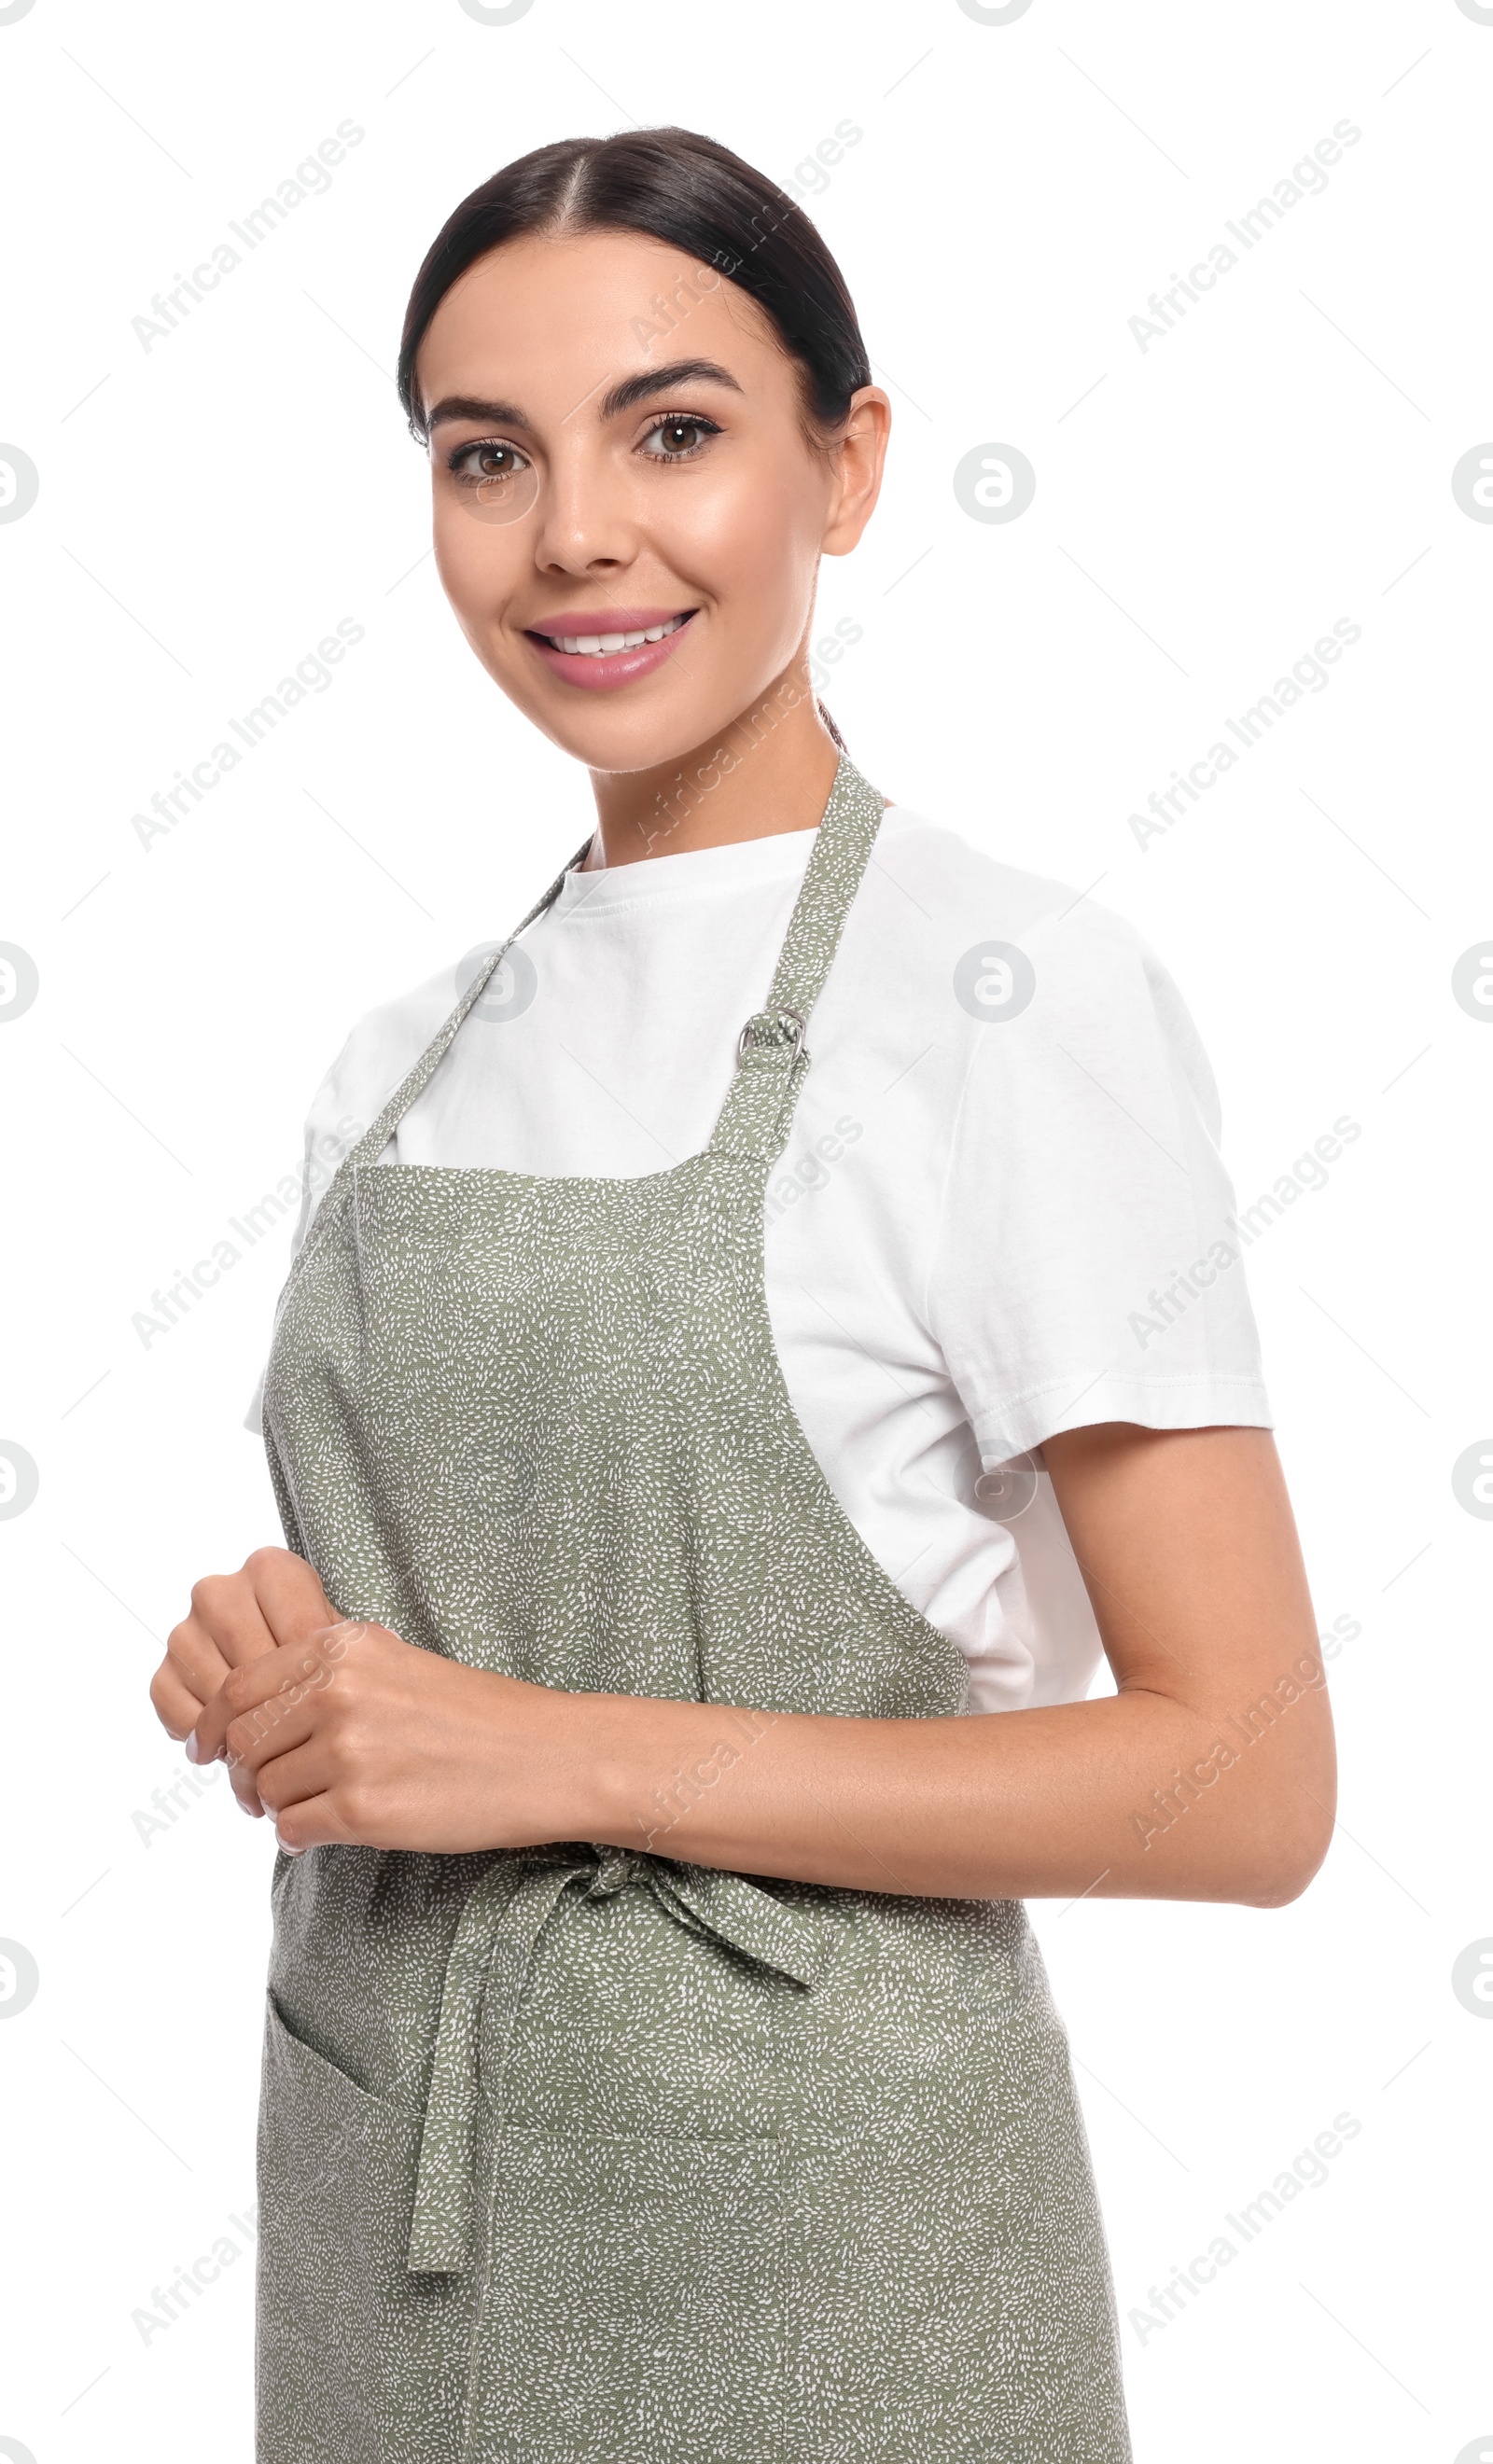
(595,1758)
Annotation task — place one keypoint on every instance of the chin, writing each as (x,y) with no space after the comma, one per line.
(604,732)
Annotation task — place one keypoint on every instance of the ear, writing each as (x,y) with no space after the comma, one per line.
(858,460)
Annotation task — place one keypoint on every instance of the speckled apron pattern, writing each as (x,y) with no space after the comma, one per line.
(580,2152)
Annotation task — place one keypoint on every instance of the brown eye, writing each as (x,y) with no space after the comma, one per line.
(675,440)
(477,466)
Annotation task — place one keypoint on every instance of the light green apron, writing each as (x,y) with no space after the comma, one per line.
(585,2152)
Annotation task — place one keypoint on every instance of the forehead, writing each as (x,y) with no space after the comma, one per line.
(551,322)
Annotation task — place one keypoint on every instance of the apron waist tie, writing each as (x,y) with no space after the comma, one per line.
(500,1923)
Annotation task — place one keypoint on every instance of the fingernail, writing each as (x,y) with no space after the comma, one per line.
(192,1754)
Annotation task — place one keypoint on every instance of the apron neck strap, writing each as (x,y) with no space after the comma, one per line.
(371,1146)
(772,1057)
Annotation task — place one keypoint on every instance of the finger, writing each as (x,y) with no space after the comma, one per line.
(255,1740)
(301,1772)
(289,1595)
(314,1823)
(245,1793)
(195,1660)
(227,1614)
(273,1722)
(287,1669)
(177,1707)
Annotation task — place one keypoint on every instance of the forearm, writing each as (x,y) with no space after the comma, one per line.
(1136,1794)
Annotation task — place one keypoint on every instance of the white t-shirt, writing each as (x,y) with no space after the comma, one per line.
(1000,1212)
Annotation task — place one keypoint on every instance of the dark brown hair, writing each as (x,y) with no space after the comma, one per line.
(669,185)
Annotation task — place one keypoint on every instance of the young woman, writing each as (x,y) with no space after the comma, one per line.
(662,1713)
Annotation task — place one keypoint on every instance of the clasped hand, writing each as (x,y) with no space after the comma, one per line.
(344,1732)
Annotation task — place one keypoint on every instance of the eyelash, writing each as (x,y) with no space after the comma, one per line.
(458,455)
(680,419)
(458,458)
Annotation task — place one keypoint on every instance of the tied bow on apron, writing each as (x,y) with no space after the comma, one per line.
(494,1939)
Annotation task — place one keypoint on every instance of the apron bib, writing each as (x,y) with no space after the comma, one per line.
(580,2152)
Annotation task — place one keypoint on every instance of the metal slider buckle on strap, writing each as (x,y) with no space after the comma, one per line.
(799,1030)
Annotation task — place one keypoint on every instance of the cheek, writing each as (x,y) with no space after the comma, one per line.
(753,544)
(480,565)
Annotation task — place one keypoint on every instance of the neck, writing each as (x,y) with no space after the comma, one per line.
(770,770)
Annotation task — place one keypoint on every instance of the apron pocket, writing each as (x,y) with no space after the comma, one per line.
(336,2180)
(634,2308)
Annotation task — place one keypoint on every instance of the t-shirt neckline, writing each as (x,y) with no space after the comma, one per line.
(777,855)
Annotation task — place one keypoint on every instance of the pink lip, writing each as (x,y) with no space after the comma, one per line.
(604,674)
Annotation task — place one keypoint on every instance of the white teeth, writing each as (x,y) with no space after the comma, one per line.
(600,645)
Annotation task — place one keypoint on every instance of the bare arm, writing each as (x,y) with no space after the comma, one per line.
(1208,1775)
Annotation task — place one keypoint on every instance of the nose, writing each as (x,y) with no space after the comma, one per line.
(586,524)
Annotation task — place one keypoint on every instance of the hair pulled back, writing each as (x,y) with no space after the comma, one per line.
(675,185)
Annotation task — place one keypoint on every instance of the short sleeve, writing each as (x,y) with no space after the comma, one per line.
(333,1125)
(1088,1265)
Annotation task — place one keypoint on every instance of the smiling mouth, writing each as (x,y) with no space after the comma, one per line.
(606,645)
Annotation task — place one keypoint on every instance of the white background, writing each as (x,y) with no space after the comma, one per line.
(1205,509)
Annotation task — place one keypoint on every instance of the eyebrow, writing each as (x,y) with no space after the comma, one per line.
(649,382)
(466,406)
(623,396)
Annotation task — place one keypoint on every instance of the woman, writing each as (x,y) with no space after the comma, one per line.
(658,2065)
